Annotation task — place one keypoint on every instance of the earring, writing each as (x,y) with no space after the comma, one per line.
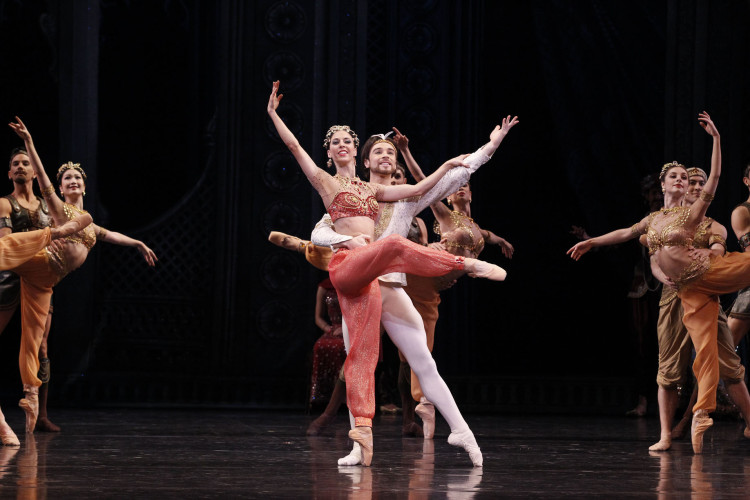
(663,190)
(329,163)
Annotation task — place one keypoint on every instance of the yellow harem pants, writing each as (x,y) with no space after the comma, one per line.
(354,274)
(700,301)
(24,254)
(424,295)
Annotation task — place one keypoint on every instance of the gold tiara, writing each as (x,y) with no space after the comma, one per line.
(667,166)
(383,138)
(697,171)
(338,128)
(68,166)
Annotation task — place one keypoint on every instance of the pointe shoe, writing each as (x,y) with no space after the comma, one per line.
(72,226)
(287,241)
(7,435)
(363,435)
(426,412)
(30,405)
(701,423)
(481,269)
(353,458)
(465,439)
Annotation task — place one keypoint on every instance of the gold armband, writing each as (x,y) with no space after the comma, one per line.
(707,197)
(715,238)
(634,228)
(48,191)
(101,233)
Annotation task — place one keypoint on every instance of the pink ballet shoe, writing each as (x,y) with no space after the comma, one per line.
(72,226)
(465,439)
(30,405)
(7,435)
(481,269)
(701,423)
(363,435)
(426,412)
(287,241)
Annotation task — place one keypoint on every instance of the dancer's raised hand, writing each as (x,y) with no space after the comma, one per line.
(20,129)
(708,125)
(274,99)
(402,142)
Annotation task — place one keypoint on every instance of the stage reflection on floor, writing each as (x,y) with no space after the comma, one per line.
(250,454)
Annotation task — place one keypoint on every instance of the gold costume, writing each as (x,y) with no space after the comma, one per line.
(39,269)
(699,285)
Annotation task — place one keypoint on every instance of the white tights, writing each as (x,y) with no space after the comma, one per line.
(404,326)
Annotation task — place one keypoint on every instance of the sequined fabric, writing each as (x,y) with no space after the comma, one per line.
(464,236)
(673,231)
(328,352)
(355,199)
(87,236)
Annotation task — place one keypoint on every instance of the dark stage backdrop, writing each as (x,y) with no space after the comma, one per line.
(163,103)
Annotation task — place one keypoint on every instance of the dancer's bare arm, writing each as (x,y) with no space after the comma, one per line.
(54,202)
(698,209)
(321,180)
(121,239)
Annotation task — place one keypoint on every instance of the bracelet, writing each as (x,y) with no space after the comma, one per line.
(707,197)
(48,191)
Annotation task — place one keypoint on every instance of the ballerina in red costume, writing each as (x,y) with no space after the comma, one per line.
(353,206)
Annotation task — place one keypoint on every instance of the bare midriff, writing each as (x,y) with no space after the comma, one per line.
(353,226)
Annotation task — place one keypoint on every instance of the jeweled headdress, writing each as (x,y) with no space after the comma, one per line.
(68,166)
(337,128)
(383,138)
(667,166)
(697,171)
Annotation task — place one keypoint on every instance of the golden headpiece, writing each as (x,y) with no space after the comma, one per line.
(383,138)
(697,171)
(68,166)
(337,128)
(667,166)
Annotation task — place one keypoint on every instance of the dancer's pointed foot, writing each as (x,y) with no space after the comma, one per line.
(426,412)
(363,435)
(481,269)
(663,445)
(43,424)
(412,429)
(701,423)
(354,457)
(680,430)
(465,439)
(7,435)
(320,423)
(30,405)
(287,241)
(72,226)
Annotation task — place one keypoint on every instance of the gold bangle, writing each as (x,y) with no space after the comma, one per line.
(707,197)
(48,191)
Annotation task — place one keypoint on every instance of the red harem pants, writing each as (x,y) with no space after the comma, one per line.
(700,301)
(354,274)
(23,253)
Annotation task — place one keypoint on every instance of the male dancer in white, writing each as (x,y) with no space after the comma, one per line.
(401,320)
